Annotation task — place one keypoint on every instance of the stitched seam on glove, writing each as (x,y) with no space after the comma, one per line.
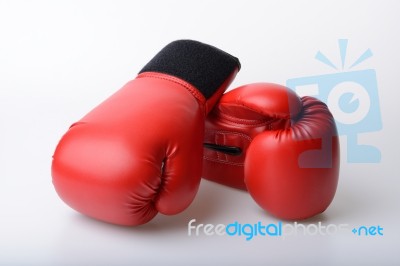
(176,80)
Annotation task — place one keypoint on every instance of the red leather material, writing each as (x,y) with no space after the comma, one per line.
(137,153)
(293,173)
(260,101)
(290,160)
(239,116)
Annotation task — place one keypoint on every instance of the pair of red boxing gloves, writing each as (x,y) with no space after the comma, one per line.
(145,149)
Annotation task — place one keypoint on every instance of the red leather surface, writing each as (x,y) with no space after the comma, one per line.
(136,154)
(293,173)
(290,160)
(239,116)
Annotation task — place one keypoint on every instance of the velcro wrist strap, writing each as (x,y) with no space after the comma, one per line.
(203,66)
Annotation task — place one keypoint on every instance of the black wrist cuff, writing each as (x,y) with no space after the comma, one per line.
(203,66)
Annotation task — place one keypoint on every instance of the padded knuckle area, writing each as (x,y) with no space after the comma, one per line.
(261,100)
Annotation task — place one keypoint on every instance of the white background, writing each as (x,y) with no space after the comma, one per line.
(60,59)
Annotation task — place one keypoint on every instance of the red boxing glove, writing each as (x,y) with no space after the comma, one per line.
(283,149)
(140,151)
